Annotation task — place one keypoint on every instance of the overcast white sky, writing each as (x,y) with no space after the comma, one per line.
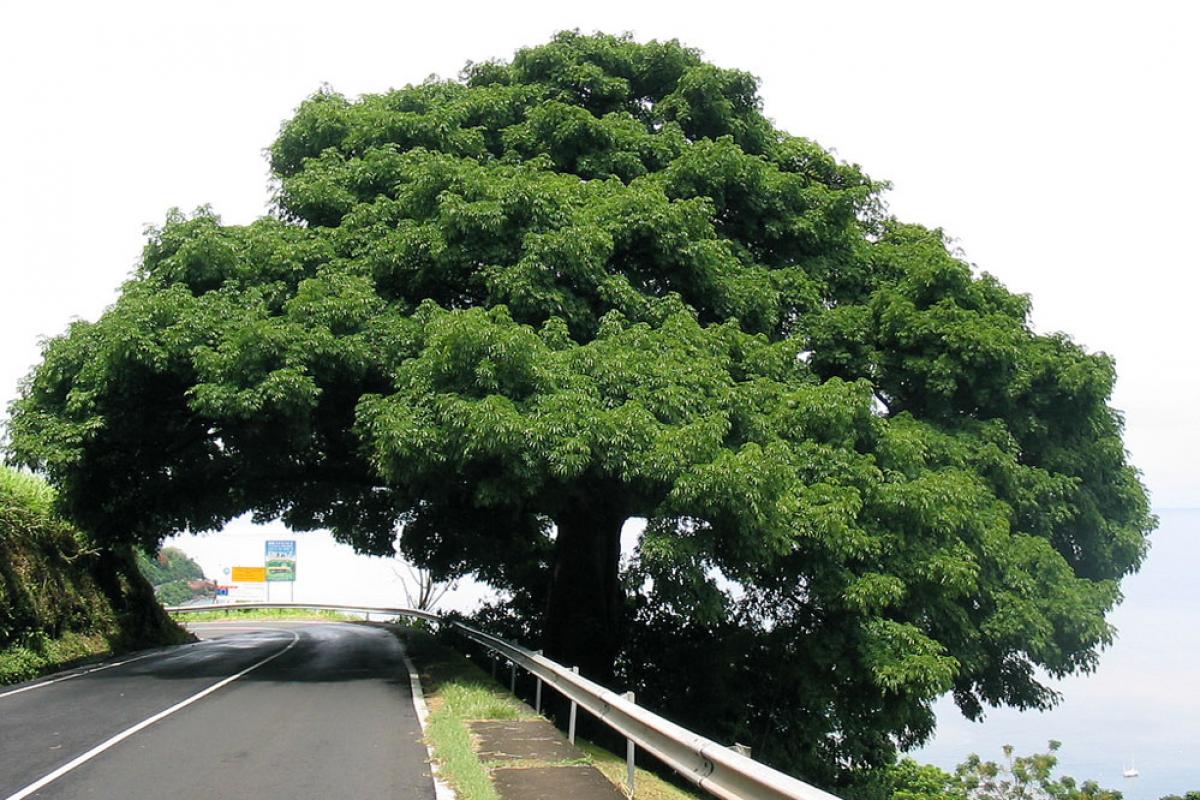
(1058,142)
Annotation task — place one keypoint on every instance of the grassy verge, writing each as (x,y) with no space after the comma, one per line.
(647,785)
(265,613)
(457,692)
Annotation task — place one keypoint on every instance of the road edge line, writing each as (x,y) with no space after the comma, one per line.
(79,674)
(116,739)
(441,790)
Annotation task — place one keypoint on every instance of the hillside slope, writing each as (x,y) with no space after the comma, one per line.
(60,598)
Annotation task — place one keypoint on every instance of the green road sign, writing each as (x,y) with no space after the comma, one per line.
(281,560)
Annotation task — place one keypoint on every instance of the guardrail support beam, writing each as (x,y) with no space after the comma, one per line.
(537,692)
(574,705)
(630,752)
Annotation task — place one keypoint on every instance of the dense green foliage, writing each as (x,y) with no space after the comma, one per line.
(171,564)
(171,573)
(176,593)
(61,600)
(513,311)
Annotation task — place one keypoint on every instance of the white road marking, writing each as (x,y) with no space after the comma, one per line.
(221,627)
(68,677)
(71,675)
(125,734)
(441,790)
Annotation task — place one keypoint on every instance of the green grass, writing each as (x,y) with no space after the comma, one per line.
(265,613)
(26,490)
(38,655)
(647,785)
(458,764)
(479,701)
(457,692)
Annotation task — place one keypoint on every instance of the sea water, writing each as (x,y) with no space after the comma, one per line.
(1141,704)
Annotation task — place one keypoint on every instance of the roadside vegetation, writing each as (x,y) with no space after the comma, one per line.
(458,692)
(1012,777)
(175,576)
(62,599)
(648,786)
(267,613)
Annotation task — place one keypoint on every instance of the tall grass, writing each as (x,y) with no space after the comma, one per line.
(26,490)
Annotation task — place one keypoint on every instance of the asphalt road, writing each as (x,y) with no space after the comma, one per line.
(259,710)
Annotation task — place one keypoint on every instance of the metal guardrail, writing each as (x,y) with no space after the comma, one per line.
(719,770)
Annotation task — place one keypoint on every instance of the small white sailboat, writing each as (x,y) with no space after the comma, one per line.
(1132,770)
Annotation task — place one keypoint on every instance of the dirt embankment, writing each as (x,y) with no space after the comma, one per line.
(61,598)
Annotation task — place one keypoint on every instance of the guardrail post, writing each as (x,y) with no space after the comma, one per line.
(571,724)
(741,749)
(512,683)
(494,660)
(630,751)
(537,692)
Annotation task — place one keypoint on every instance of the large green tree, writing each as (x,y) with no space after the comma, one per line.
(511,312)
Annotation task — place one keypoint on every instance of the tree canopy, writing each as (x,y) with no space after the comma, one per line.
(510,312)
(1015,777)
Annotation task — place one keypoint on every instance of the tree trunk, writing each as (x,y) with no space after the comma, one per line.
(142,620)
(586,604)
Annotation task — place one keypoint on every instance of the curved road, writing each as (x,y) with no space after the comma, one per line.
(262,710)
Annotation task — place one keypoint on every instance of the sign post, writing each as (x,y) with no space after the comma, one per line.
(280,563)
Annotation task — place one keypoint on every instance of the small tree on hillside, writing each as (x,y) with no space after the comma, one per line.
(422,590)
(1015,777)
